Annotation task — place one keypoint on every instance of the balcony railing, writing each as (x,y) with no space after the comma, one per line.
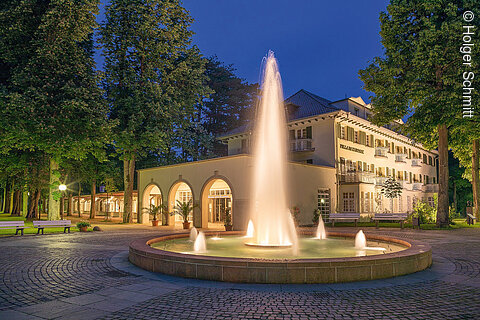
(431,188)
(400,157)
(301,145)
(380,181)
(381,152)
(358,176)
(416,162)
(417,186)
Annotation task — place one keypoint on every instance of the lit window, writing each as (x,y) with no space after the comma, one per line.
(348,202)
(323,202)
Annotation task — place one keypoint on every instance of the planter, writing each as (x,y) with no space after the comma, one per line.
(186,225)
(83,229)
(154,223)
(228,228)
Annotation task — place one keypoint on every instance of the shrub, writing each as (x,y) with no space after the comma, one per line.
(425,213)
(316,215)
(82,224)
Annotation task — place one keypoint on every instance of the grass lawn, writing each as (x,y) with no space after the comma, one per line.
(29,224)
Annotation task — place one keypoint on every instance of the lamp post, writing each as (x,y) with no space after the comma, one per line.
(62,187)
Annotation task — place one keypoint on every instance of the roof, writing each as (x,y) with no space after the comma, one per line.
(307,105)
(300,105)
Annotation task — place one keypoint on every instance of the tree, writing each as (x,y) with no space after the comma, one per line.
(231,103)
(52,102)
(153,78)
(391,189)
(419,75)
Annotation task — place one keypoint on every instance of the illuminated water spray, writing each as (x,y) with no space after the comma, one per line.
(271,217)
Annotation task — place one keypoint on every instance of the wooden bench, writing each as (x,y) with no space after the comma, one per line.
(390,217)
(65,224)
(17,225)
(344,216)
(471,218)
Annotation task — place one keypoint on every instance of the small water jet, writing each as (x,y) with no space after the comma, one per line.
(321,233)
(193,234)
(360,240)
(200,244)
(250,229)
(216,237)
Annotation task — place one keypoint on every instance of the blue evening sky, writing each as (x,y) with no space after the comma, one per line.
(320,45)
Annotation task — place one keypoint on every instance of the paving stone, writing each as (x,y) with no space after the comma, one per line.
(84,299)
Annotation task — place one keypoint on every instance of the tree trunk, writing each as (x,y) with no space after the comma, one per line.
(7,198)
(475,178)
(70,205)
(53,192)
(78,203)
(62,206)
(455,196)
(442,208)
(36,210)
(93,209)
(31,204)
(3,199)
(128,176)
(16,203)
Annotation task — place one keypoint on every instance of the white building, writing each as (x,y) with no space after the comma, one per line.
(339,161)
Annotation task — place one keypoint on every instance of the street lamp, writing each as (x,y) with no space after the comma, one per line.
(62,187)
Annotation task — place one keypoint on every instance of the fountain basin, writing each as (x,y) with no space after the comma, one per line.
(416,257)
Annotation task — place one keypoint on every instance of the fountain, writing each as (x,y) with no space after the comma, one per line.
(273,222)
(193,234)
(200,245)
(271,252)
(321,233)
(360,240)
(250,229)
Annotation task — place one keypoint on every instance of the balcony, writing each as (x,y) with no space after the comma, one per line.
(431,188)
(416,162)
(381,152)
(380,181)
(301,145)
(417,186)
(400,157)
(360,176)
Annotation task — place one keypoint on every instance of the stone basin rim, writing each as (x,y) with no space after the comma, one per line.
(413,247)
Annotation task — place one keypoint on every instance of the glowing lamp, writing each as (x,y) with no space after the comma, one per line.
(62,187)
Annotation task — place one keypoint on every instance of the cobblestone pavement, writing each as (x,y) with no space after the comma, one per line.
(88,276)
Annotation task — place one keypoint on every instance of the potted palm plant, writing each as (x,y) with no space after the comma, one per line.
(183,209)
(228,220)
(154,211)
(83,226)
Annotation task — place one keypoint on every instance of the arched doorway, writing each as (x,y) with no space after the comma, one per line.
(152,197)
(179,192)
(217,197)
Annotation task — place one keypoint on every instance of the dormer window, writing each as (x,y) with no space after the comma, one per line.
(356,111)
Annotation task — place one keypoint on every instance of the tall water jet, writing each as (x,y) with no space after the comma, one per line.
(360,240)
(269,204)
(321,233)
(200,244)
(193,234)
(250,229)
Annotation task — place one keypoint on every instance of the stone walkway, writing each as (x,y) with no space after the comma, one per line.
(87,276)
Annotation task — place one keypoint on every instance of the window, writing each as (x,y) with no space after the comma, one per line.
(299,134)
(431,202)
(367,140)
(291,134)
(409,153)
(362,139)
(304,133)
(356,111)
(342,132)
(425,158)
(323,203)
(348,202)
(400,204)
(367,201)
(355,139)
(430,160)
(309,132)
(350,134)
(409,204)
(433,180)
(310,161)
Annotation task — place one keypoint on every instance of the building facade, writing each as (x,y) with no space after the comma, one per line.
(339,161)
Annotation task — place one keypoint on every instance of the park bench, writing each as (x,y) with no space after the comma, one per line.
(471,218)
(390,217)
(344,216)
(17,225)
(65,224)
